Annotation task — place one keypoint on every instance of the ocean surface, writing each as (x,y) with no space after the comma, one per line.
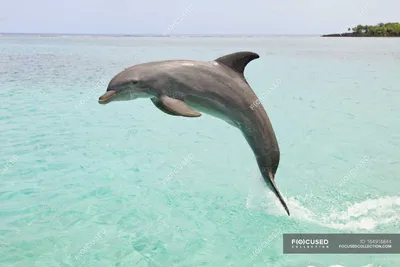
(83,184)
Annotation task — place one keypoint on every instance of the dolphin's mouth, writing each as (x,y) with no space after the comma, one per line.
(106,98)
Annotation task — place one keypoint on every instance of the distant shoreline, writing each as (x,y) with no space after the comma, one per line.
(355,35)
(390,29)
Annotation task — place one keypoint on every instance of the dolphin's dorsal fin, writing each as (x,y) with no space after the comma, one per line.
(237,61)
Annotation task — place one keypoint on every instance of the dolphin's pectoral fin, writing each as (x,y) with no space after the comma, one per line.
(175,107)
(157,102)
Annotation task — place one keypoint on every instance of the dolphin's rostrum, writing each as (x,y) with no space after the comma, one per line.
(187,88)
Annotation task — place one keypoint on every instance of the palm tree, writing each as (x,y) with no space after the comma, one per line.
(359,29)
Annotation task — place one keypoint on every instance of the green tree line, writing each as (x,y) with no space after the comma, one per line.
(381,29)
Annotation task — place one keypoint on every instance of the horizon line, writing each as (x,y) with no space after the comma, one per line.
(157,35)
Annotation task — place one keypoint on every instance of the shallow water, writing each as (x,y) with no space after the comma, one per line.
(127,185)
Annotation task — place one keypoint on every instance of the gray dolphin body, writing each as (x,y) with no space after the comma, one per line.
(218,88)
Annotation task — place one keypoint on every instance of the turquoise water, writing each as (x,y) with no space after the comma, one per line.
(82,184)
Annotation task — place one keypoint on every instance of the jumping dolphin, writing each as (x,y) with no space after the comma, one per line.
(218,88)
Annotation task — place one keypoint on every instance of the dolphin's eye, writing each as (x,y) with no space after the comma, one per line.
(134,82)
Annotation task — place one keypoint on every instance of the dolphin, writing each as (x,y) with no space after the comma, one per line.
(218,88)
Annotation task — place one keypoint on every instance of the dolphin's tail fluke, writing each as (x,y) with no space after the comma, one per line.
(276,191)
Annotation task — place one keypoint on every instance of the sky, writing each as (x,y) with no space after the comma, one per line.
(250,17)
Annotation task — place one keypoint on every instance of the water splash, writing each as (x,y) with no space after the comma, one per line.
(365,215)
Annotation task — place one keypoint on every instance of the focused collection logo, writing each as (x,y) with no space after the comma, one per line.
(310,243)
